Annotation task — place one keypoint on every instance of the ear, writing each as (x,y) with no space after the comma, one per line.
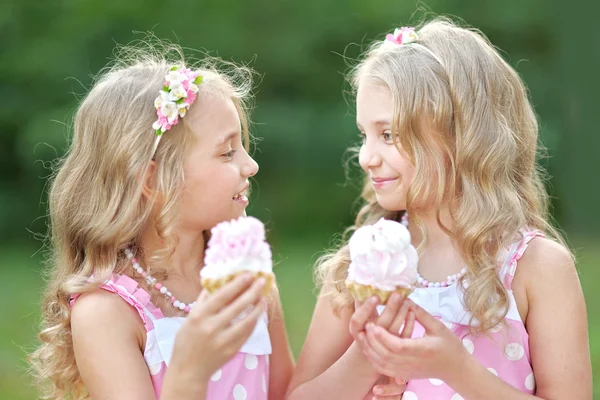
(148,189)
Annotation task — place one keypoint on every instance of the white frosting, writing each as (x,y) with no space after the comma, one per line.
(382,256)
(224,268)
(235,246)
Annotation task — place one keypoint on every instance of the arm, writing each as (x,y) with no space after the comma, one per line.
(556,322)
(557,325)
(331,363)
(281,365)
(108,338)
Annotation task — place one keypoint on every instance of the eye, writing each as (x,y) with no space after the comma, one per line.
(229,155)
(387,137)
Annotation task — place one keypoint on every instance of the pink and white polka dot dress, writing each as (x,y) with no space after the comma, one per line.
(505,352)
(245,376)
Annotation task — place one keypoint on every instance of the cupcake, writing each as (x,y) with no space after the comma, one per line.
(236,247)
(382,261)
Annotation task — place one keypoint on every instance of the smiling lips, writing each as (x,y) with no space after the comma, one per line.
(241,196)
(381,182)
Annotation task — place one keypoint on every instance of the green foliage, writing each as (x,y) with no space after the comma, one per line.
(51,51)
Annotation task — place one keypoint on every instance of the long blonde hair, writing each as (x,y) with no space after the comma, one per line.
(463,115)
(96,206)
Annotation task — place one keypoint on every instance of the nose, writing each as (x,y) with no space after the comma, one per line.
(250,167)
(368,156)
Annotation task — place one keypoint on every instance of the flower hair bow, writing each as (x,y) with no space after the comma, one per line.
(403,35)
(175,98)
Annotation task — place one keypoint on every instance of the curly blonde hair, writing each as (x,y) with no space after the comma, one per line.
(96,206)
(482,156)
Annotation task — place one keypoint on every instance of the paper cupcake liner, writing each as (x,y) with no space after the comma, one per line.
(363,292)
(213,285)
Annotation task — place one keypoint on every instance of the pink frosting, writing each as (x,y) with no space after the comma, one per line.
(237,245)
(382,256)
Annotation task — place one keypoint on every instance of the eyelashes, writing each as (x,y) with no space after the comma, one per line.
(229,155)
(387,137)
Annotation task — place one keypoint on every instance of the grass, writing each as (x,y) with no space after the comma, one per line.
(22,286)
(20,297)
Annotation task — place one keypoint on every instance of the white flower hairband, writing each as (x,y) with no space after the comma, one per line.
(174,100)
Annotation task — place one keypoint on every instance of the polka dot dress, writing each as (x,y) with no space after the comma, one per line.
(245,376)
(504,351)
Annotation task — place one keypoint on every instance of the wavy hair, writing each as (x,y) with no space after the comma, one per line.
(96,206)
(463,115)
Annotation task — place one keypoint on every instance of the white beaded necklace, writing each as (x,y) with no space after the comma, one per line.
(450,279)
(157,285)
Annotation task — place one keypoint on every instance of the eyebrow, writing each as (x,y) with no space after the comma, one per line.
(227,138)
(379,122)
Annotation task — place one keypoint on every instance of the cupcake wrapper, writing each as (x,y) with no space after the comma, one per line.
(363,292)
(212,285)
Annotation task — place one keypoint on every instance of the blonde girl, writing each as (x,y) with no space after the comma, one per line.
(449,142)
(158,157)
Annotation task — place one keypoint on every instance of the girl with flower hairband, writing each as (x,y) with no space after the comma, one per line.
(150,175)
(448,146)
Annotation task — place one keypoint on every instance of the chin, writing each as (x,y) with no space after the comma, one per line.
(391,204)
(238,215)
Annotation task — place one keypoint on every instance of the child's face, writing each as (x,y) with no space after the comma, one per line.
(389,169)
(217,166)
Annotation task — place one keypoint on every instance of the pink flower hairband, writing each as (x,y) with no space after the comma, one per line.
(403,35)
(175,98)
(406,35)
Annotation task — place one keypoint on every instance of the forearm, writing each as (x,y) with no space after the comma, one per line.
(473,381)
(178,387)
(280,371)
(281,366)
(350,377)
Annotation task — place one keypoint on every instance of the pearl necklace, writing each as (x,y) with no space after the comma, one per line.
(157,285)
(450,279)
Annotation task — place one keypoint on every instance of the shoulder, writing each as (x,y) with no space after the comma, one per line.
(108,345)
(546,259)
(332,309)
(556,321)
(545,266)
(96,312)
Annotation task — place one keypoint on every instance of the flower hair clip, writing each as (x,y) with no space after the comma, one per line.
(175,98)
(406,35)
(401,36)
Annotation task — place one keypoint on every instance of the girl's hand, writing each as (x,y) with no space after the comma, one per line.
(433,356)
(391,318)
(208,338)
(388,389)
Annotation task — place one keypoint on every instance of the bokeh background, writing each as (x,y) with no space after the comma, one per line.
(50,50)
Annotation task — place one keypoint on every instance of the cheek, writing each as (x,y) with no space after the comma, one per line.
(404,168)
(409,172)
(399,161)
(199,183)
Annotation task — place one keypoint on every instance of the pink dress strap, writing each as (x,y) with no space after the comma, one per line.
(521,246)
(130,291)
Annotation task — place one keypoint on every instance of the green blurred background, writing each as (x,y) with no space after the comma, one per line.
(50,50)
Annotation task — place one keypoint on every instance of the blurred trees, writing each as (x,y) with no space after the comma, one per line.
(50,50)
